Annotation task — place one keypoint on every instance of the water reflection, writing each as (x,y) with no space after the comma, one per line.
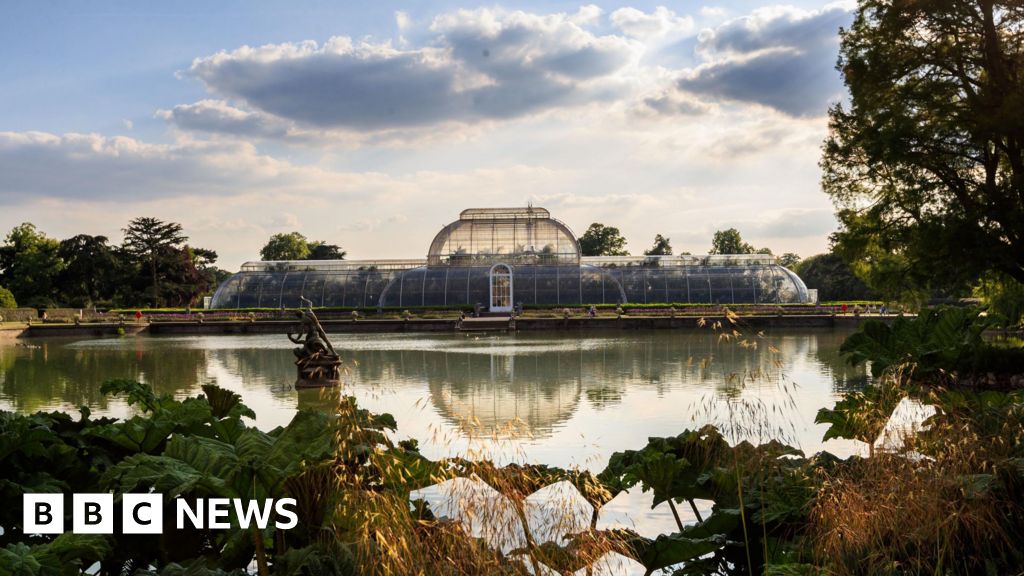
(565,394)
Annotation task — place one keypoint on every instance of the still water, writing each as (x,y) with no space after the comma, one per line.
(563,399)
(566,399)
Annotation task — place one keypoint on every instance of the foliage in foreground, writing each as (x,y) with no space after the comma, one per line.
(926,163)
(947,502)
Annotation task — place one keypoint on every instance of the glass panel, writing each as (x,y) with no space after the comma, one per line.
(458,287)
(294,287)
(743,285)
(314,288)
(568,285)
(533,284)
(433,290)
(519,236)
(657,291)
(524,285)
(479,286)
(376,281)
(675,281)
(633,284)
(547,285)
(593,290)
(227,293)
(721,285)
(697,282)
(334,289)
(270,291)
(412,287)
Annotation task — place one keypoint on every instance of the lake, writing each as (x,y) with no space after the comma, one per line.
(563,399)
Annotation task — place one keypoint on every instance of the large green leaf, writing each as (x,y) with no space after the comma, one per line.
(693,542)
(861,415)
(165,475)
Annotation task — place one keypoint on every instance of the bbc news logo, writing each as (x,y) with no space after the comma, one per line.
(144,513)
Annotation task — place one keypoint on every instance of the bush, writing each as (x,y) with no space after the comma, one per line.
(1005,298)
(7,299)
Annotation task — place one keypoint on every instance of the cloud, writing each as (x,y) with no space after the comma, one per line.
(94,167)
(483,65)
(661,22)
(796,223)
(778,57)
(673,103)
(470,70)
(219,117)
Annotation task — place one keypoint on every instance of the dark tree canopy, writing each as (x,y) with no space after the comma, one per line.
(29,265)
(730,242)
(601,240)
(295,246)
(7,299)
(285,246)
(833,279)
(661,247)
(789,260)
(152,267)
(324,251)
(90,271)
(155,243)
(926,164)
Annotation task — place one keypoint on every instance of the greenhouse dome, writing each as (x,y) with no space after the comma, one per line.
(500,257)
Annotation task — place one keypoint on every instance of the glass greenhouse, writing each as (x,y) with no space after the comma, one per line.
(499,258)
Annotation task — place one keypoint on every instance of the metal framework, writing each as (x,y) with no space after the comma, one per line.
(546,268)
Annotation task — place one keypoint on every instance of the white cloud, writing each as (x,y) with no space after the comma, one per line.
(219,117)
(576,112)
(91,166)
(662,22)
(483,65)
(780,57)
(712,11)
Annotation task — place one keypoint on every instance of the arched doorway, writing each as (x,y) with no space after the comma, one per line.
(501,288)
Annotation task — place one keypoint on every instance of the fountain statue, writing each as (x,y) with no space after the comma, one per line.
(317,363)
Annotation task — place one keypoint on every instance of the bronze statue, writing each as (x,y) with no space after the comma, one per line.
(317,362)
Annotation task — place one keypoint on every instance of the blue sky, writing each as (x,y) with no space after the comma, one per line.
(371,125)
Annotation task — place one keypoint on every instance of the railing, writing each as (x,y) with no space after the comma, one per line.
(330,265)
(681,260)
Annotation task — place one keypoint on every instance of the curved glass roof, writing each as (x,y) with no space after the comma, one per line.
(531,284)
(511,235)
(546,267)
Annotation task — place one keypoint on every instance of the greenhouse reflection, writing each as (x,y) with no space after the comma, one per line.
(527,384)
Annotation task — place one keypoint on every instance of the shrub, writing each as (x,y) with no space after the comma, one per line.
(7,298)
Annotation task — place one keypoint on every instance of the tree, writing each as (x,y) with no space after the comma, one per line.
(926,164)
(188,274)
(7,299)
(833,278)
(730,242)
(295,246)
(661,247)
(789,260)
(290,246)
(90,272)
(29,265)
(601,240)
(319,250)
(154,243)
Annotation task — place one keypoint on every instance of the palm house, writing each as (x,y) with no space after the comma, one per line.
(500,257)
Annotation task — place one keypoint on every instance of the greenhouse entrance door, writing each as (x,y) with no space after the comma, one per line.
(501,288)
